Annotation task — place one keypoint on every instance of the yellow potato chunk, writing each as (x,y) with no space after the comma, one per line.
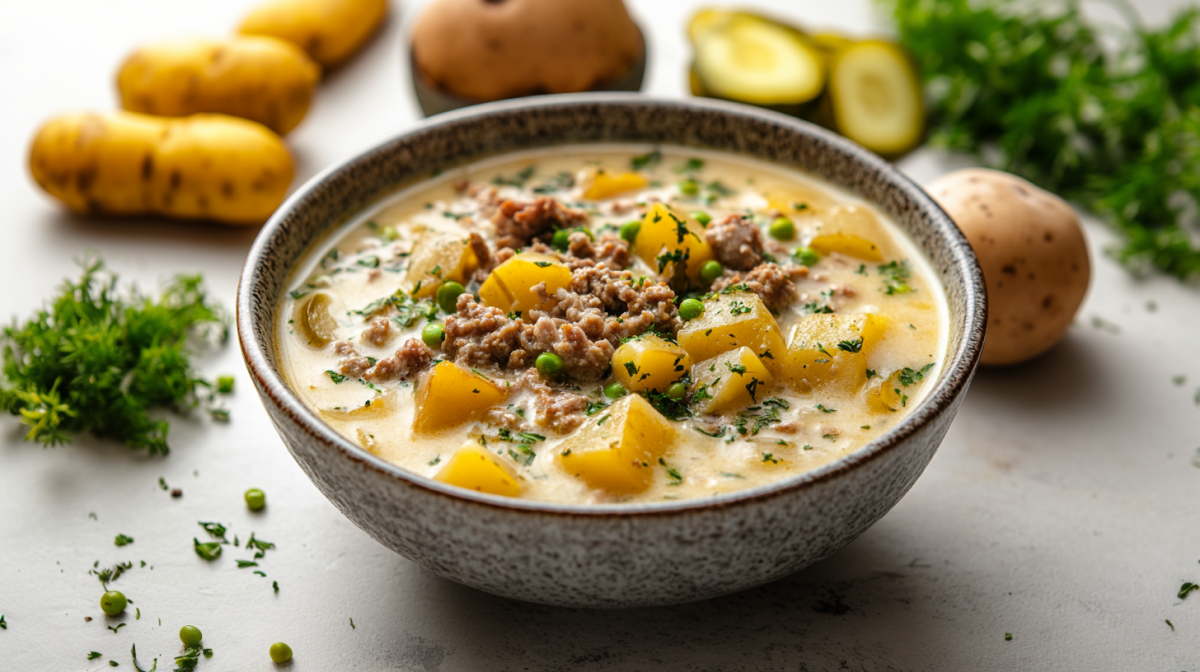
(374,408)
(607,185)
(649,363)
(734,320)
(616,451)
(436,258)
(475,468)
(510,287)
(451,395)
(891,394)
(672,243)
(847,244)
(729,381)
(831,350)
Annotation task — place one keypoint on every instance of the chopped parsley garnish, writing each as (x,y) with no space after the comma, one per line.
(191,658)
(671,409)
(675,256)
(1170,625)
(242,564)
(259,546)
(563,180)
(736,368)
(594,407)
(738,308)
(851,346)
(871,374)
(1186,589)
(436,459)
(371,261)
(814,308)
(207,551)
(602,420)
(98,359)
(111,574)
(123,540)
(895,277)
(133,652)
(631,368)
(769,457)
(910,377)
(646,161)
(821,407)
(764,415)
(335,376)
(94,655)
(216,530)
(1008,636)
(715,435)
(275,586)
(691,166)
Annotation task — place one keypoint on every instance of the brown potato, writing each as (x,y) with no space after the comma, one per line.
(1033,253)
(330,31)
(259,78)
(206,166)
(492,50)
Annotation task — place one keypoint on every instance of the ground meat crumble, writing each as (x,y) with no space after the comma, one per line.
(520,223)
(772,282)
(736,242)
(412,357)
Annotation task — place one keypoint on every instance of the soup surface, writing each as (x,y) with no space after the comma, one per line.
(613,323)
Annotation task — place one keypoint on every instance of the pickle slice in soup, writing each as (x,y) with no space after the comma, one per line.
(875,97)
(314,320)
(751,59)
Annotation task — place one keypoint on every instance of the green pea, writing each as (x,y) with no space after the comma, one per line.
(447,295)
(710,271)
(689,187)
(615,391)
(690,309)
(280,652)
(677,391)
(782,229)
(433,334)
(549,364)
(190,635)
(256,499)
(113,602)
(629,230)
(806,256)
(703,217)
(561,239)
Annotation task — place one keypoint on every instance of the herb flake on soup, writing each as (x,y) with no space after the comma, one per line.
(614,324)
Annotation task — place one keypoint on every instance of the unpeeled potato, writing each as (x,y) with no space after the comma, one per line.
(1033,253)
(259,78)
(206,166)
(330,31)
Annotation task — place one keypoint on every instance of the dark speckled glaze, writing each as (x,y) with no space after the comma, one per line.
(610,555)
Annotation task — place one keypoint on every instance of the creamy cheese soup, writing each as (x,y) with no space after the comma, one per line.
(613,323)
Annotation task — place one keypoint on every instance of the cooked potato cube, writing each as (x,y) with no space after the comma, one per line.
(436,258)
(729,381)
(451,395)
(649,363)
(734,320)
(606,185)
(891,394)
(617,450)
(475,468)
(672,243)
(847,244)
(510,287)
(831,350)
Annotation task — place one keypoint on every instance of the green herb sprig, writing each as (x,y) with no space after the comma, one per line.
(98,359)
(1033,90)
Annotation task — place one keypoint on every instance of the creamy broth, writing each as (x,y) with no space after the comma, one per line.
(355,301)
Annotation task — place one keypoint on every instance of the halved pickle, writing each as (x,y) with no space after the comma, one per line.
(750,59)
(314,321)
(875,97)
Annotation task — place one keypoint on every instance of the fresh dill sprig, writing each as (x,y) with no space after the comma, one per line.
(1033,89)
(98,359)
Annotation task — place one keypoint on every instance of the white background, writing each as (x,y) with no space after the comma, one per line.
(1062,506)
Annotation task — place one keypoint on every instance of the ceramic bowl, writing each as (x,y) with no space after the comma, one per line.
(609,555)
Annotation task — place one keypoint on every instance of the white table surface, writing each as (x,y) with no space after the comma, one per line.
(1062,507)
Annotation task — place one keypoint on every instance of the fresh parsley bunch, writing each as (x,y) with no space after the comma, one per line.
(99,360)
(1032,88)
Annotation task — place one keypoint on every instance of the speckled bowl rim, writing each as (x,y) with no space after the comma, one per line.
(951,382)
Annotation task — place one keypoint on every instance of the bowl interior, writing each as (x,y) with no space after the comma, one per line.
(450,140)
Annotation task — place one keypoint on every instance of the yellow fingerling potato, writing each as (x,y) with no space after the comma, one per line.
(474,468)
(729,381)
(330,31)
(830,351)
(436,258)
(731,321)
(510,285)
(258,78)
(206,166)
(616,449)
(649,363)
(451,395)
(667,235)
(606,185)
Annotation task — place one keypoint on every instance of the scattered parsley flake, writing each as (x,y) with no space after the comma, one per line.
(207,551)
(123,540)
